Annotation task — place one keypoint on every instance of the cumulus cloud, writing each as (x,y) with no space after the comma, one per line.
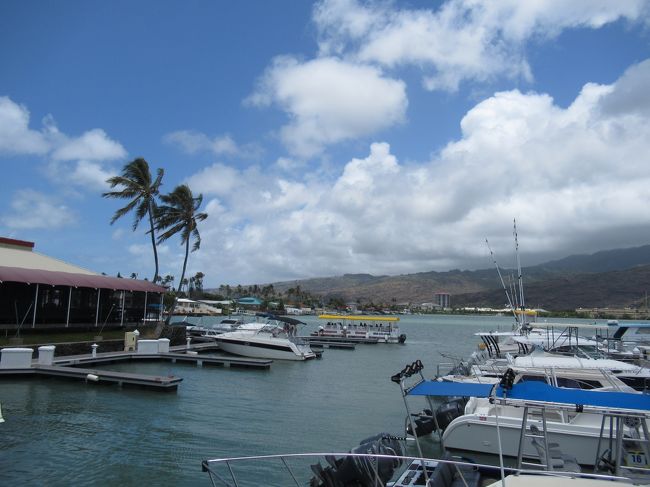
(329,100)
(462,39)
(17,138)
(81,174)
(82,161)
(15,135)
(217,179)
(630,95)
(575,178)
(93,145)
(348,91)
(34,210)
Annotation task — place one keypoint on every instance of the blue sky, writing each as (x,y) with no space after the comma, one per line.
(329,137)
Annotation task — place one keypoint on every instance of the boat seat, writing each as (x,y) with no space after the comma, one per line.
(450,475)
(558,461)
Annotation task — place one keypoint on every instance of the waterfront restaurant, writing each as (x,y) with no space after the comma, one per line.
(37,291)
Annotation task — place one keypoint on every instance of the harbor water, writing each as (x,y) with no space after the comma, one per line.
(69,433)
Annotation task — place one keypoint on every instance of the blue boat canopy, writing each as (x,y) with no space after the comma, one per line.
(537,391)
(435,388)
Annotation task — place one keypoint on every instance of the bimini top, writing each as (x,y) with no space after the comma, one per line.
(538,392)
(57,278)
(359,317)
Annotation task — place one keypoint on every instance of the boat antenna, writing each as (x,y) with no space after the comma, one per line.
(519,274)
(502,282)
(513,290)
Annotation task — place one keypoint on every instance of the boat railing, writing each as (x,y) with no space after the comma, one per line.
(445,368)
(301,469)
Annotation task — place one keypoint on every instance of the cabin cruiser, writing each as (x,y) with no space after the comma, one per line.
(573,378)
(275,339)
(497,417)
(365,327)
(576,430)
(204,331)
(632,375)
(556,337)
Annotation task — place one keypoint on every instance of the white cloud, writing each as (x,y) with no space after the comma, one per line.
(17,138)
(329,100)
(630,95)
(81,174)
(79,161)
(33,210)
(217,179)
(462,39)
(576,179)
(15,135)
(93,145)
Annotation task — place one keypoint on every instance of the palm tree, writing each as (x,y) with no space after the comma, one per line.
(179,214)
(136,184)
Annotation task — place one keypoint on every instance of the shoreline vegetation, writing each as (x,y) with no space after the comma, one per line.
(41,336)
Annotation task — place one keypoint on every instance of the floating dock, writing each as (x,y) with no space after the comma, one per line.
(99,376)
(174,357)
(326,344)
(76,366)
(332,339)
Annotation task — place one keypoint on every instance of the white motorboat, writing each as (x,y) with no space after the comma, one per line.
(384,329)
(276,339)
(488,425)
(203,328)
(560,338)
(633,375)
(574,378)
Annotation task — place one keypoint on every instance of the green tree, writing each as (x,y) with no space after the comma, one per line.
(136,184)
(179,213)
(198,281)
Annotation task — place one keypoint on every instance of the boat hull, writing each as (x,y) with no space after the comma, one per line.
(253,349)
(477,433)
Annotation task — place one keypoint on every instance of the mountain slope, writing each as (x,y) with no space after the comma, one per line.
(615,289)
(606,278)
(603,261)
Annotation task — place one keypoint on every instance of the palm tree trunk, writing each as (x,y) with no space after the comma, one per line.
(187,253)
(153,242)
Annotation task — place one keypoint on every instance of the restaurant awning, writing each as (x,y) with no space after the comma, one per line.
(55,278)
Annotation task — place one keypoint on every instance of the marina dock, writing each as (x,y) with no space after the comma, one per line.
(219,360)
(334,339)
(75,367)
(327,344)
(97,376)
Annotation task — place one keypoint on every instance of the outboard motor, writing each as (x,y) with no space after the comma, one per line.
(445,414)
(360,471)
(424,423)
(449,411)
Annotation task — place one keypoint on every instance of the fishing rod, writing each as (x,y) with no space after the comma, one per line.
(502,282)
(520,278)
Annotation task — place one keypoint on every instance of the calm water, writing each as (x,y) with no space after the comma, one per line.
(68,433)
